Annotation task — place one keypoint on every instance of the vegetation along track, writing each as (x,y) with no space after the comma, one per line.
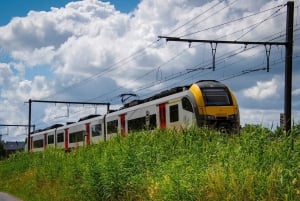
(191,164)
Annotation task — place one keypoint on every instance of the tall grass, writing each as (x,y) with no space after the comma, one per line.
(192,164)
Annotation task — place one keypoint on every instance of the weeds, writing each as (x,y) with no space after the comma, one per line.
(191,164)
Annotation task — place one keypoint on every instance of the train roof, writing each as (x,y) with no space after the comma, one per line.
(156,96)
(209,83)
(200,83)
(47,128)
(89,117)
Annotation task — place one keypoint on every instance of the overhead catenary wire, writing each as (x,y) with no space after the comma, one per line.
(262,11)
(222,58)
(230,21)
(194,18)
(215,13)
(112,66)
(258,24)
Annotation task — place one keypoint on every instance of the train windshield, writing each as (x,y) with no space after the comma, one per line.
(216,96)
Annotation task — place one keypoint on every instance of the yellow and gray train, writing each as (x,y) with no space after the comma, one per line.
(205,103)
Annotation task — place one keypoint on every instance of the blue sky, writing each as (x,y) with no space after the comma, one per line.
(94,51)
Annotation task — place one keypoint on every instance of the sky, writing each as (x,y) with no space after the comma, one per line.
(93,51)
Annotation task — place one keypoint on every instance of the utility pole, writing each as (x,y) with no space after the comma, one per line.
(64,102)
(288,57)
(289,66)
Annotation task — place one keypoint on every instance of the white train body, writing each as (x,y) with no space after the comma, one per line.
(179,107)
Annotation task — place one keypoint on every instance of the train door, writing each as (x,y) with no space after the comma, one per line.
(87,134)
(123,124)
(45,140)
(162,115)
(66,139)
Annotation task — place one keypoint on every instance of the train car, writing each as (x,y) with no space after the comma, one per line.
(96,132)
(205,103)
(37,142)
(86,131)
(41,139)
(216,106)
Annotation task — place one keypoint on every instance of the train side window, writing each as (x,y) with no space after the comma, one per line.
(96,130)
(76,137)
(174,116)
(140,123)
(112,126)
(50,139)
(38,143)
(152,121)
(60,137)
(186,104)
(136,124)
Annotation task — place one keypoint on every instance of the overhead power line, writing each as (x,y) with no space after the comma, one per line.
(224,42)
(194,18)
(231,21)
(288,55)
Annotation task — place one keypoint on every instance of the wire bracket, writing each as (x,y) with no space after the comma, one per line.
(268,52)
(213,51)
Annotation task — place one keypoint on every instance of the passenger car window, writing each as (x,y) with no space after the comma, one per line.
(96,130)
(174,116)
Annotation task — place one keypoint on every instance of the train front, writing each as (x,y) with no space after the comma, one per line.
(217,106)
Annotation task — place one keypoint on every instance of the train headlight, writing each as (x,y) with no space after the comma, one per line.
(210,117)
(232,117)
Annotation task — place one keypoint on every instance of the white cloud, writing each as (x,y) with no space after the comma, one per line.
(269,118)
(261,117)
(264,89)
(5,73)
(296,92)
(24,90)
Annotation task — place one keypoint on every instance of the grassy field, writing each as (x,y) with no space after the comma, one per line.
(193,164)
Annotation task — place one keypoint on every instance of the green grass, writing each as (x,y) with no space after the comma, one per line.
(192,164)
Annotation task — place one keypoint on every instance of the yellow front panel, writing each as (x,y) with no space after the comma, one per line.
(194,89)
(220,111)
(213,110)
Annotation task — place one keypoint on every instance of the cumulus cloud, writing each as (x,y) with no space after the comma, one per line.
(296,92)
(26,89)
(264,89)
(87,37)
(5,73)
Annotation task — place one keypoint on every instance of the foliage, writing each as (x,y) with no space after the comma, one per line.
(2,150)
(191,164)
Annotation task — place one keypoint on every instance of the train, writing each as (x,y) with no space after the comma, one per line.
(207,103)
